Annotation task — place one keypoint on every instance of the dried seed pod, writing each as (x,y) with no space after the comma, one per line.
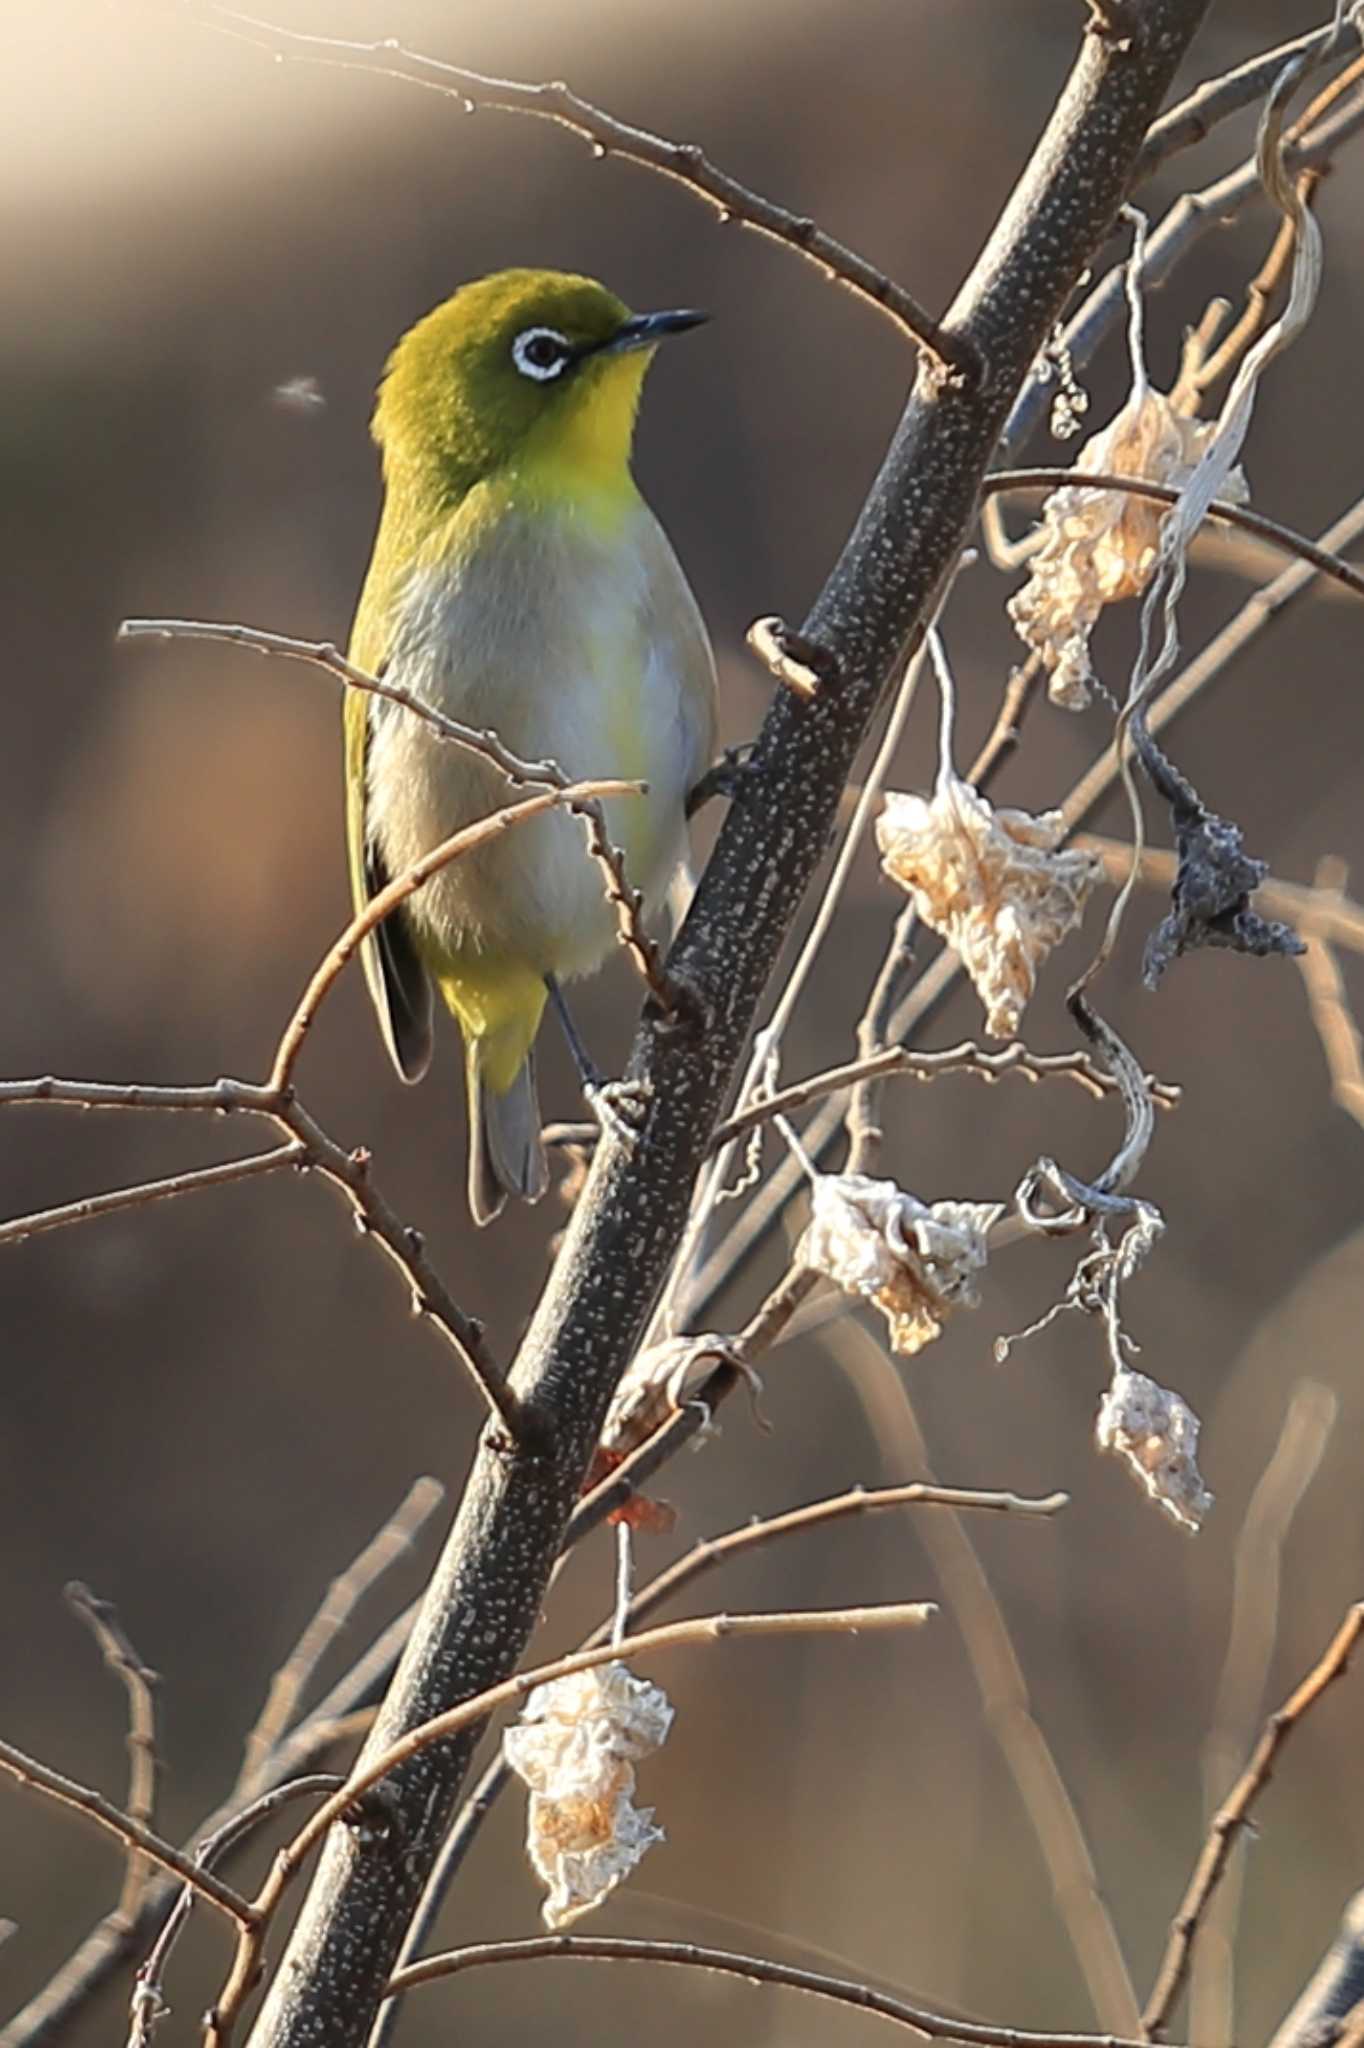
(997,884)
(916,1261)
(575,1746)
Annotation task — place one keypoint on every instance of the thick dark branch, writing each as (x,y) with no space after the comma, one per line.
(485,1595)
(1334,1990)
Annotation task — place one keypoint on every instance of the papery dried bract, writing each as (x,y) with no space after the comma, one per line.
(996,884)
(575,1746)
(917,1261)
(1099,546)
(658,1381)
(1155,1432)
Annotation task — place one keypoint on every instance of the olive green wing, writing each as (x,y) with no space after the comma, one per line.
(397,981)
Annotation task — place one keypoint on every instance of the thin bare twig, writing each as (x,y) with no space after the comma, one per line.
(1258,1572)
(763,1062)
(1262,609)
(756,1969)
(863,1117)
(519,771)
(133,1834)
(276,1100)
(89,1207)
(147,2007)
(1193,215)
(1211,102)
(1326,995)
(342,1597)
(1234,1814)
(379,907)
(375,1216)
(706,1628)
(348,1802)
(1284,537)
(705,1556)
(966,1058)
(1001,1685)
(139,1682)
(684,162)
(1259,293)
(108,1945)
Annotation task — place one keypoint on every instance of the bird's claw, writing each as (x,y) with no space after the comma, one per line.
(619,1107)
(730,777)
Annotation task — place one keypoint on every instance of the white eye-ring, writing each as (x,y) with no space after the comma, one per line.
(541,353)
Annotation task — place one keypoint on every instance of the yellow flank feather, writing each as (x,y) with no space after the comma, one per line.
(519,583)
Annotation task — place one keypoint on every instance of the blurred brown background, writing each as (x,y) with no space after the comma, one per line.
(208,1406)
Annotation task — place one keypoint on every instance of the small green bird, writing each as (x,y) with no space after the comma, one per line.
(518,581)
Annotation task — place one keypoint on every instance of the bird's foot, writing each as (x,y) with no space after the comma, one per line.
(730,777)
(619,1107)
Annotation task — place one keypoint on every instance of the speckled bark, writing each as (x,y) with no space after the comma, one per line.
(485,1596)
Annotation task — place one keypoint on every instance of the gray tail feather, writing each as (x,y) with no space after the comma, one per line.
(505,1153)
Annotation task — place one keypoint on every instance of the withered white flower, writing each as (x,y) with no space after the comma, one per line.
(1099,546)
(917,1261)
(996,884)
(575,1747)
(1156,1432)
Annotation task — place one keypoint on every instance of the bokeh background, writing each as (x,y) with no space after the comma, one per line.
(207,1407)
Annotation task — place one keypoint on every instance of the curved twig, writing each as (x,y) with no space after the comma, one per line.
(705,1556)
(967,1058)
(66,1792)
(519,771)
(684,162)
(1050,479)
(566,796)
(139,1682)
(88,1207)
(1234,1814)
(937,2026)
(349,1801)
(1215,99)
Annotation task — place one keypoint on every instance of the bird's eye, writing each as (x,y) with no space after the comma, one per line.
(541,353)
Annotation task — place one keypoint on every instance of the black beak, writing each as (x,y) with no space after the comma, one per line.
(647,329)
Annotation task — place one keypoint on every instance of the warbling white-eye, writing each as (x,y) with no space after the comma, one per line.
(518,582)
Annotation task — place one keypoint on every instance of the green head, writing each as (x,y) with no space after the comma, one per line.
(527,369)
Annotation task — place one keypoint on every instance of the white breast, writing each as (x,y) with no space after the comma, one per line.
(570,643)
